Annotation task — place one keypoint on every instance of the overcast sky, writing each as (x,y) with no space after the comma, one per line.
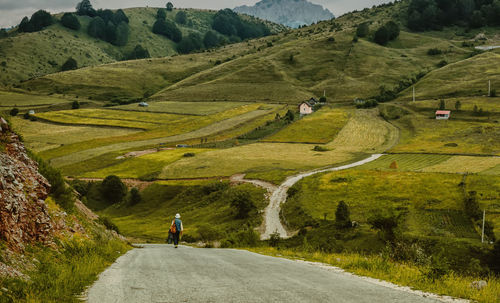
(12,11)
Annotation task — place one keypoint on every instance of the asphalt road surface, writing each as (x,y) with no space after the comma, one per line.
(161,273)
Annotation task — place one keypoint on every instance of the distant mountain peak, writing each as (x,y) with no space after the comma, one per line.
(292,13)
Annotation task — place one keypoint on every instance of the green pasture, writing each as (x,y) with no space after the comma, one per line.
(433,202)
(151,219)
(428,135)
(143,166)
(467,104)
(14,99)
(319,127)
(462,79)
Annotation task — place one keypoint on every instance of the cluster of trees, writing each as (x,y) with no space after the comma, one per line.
(434,14)
(386,33)
(38,21)
(229,23)
(167,28)
(139,52)
(70,21)
(3,33)
(106,25)
(70,64)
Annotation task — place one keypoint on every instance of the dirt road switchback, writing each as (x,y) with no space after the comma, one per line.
(161,273)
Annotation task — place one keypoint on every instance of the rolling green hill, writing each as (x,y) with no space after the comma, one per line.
(290,66)
(31,55)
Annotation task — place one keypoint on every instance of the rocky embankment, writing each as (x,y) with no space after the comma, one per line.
(24,217)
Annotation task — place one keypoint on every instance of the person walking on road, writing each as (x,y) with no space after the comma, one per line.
(176,229)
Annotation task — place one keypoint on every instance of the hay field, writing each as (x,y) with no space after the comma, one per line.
(319,127)
(467,104)
(465,164)
(405,162)
(40,136)
(182,108)
(14,99)
(75,153)
(365,133)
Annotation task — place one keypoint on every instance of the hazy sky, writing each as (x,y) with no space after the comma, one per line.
(12,11)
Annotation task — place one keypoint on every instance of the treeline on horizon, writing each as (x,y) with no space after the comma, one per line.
(435,14)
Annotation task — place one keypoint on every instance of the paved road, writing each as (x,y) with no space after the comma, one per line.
(160,273)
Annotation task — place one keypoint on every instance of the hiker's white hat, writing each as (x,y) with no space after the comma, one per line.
(177,216)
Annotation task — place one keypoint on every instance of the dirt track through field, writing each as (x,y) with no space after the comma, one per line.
(272,222)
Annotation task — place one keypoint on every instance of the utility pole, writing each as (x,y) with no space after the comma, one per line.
(489,88)
(413,93)
(482,234)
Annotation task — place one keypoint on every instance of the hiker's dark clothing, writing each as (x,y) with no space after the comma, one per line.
(176,238)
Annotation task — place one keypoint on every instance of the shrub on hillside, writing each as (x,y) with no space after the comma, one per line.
(168,29)
(190,43)
(386,33)
(122,34)
(494,258)
(386,223)
(342,216)
(14,112)
(70,64)
(70,21)
(138,53)
(3,33)
(108,224)
(242,202)
(228,23)
(135,196)
(210,40)
(62,194)
(38,21)
(75,105)
(471,206)
(119,16)
(170,6)
(434,51)
(493,93)
(181,17)
(85,8)
(97,28)
(161,14)
(362,30)
(113,189)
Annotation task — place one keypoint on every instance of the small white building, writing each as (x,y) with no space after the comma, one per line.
(306,107)
(31,112)
(143,104)
(443,114)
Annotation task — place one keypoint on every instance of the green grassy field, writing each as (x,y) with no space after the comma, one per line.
(183,108)
(427,135)
(430,212)
(319,127)
(12,99)
(138,167)
(150,219)
(465,78)
(491,105)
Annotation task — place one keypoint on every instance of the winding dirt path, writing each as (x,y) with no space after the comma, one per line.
(278,195)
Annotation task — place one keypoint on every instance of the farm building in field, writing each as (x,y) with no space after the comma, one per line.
(143,104)
(443,114)
(307,107)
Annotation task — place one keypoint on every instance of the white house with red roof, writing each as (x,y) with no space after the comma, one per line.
(443,114)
